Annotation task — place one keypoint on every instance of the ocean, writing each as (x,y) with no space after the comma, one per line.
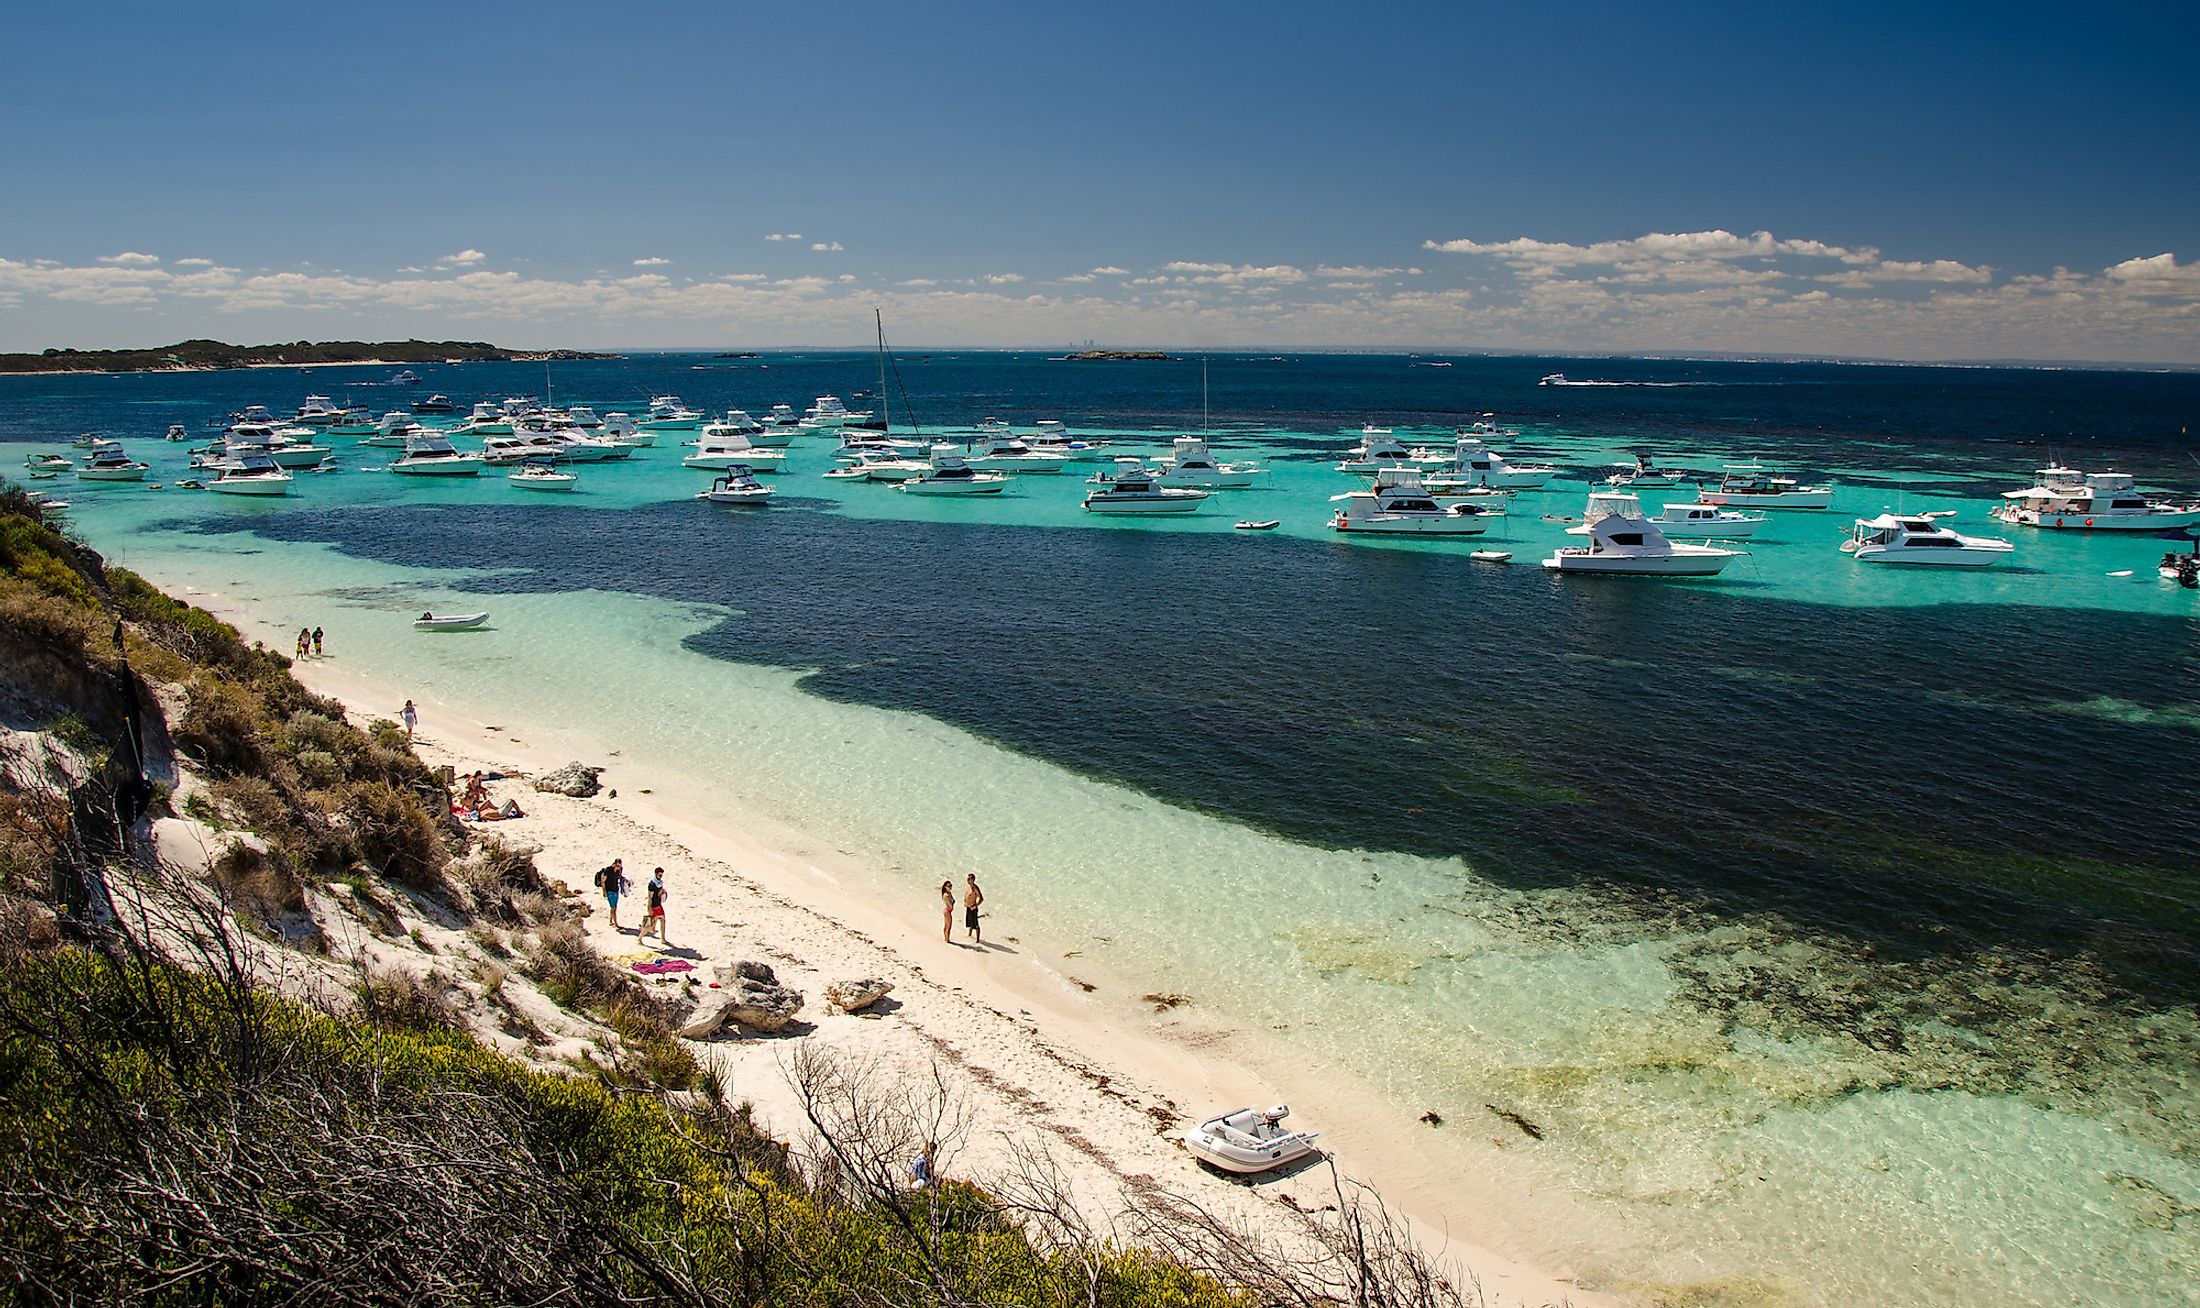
(1839,926)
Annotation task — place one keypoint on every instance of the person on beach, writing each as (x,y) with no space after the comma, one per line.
(316,642)
(947,911)
(656,912)
(305,638)
(922,1168)
(972,897)
(612,881)
(412,720)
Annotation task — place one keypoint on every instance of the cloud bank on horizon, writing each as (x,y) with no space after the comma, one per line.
(1710,291)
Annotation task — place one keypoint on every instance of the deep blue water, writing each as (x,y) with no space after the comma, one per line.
(1928,782)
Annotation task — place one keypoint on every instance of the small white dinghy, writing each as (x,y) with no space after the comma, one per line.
(1250,1140)
(1491,556)
(449,621)
(1266,524)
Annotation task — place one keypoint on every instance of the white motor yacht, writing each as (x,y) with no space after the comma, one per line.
(541,475)
(253,413)
(721,447)
(885,466)
(2069,500)
(1707,522)
(1621,540)
(1470,463)
(829,414)
(1002,451)
(1398,502)
(432,455)
(1643,474)
(669,413)
(398,427)
(1377,450)
(105,461)
(352,422)
(437,403)
(177,432)
(1131,489)
(1190,463)
(487,419)
(1749,485)
(1916,538)
(287,451)
(951,474)
(738,485)
(621,429)
(251,474)
(1049,437)
(316,411)
(407,377)
(48,463)
(583,417)
(516,449)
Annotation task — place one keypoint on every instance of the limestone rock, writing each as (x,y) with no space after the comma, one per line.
(575,779)
(850,996)
(751,996)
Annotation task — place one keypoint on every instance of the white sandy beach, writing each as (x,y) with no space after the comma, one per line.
(1037,1060)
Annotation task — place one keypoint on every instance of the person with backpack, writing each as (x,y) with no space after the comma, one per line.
(612,881)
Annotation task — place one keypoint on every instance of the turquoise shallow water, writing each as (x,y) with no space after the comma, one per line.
(1836,927)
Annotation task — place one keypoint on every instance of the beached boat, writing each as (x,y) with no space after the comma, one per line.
(1919,539)
(449,621)
(105,461)
(432,455)
(1132,490)
(1398,502)
(251,473)
(1621,540)
(1749,485)
(541,475)
(950,474)
(2066,499)
(1250,1140)
(737,486)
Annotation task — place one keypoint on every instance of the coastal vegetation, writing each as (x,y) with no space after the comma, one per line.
(356,1055)
(206,355)
(1091,356)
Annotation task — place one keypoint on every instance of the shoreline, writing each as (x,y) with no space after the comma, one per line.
(1041,1060)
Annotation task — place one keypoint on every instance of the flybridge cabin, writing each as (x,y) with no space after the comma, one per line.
(2066,499)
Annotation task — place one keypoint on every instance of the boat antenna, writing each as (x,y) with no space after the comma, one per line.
(885,406)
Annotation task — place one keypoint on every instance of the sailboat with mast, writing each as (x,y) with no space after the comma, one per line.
(1190,465)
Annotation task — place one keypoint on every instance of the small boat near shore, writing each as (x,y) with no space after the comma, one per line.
(432,621)
(1250,1140)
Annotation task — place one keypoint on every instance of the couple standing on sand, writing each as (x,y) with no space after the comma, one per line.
(972,897)
(612,881)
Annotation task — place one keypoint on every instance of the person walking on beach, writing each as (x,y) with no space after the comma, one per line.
(316,642)
(972,897)
(947,911)
(305,638)
(612,881)
(656,911)
(412,720)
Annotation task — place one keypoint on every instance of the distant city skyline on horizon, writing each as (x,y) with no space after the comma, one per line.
(1675,183)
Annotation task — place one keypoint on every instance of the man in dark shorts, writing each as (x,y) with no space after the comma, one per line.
(972,897)
(656,911)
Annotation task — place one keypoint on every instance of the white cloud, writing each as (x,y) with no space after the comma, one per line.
(463,258)
(651,262)
(131,259)
(743,277)
(1078,278)
(2157,273)
(1110,270)
(1238,274)
(1356,272)
(194,263)
(784,236)
(1001,279)
(825,246)
(918,281)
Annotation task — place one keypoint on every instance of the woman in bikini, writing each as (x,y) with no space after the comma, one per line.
(947,911)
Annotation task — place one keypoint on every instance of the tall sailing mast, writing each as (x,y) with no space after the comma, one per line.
(885,407)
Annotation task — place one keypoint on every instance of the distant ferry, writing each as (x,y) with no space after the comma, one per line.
(1553,379)
(406,378)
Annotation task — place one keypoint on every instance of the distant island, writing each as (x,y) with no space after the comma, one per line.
(1086,356)
(744,354)
(203,356)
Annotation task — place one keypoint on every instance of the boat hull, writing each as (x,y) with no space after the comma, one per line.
(1448,525)
(2101,521)
(1641,565)
(1958,557)
(1145,508)
(1707,530)
(456,622)
(136,473)
(250,486)
(919,486)
(752,499)
(439,468)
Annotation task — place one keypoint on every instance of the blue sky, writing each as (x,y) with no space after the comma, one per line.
(1972,181)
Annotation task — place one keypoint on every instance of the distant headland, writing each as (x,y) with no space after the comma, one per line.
(203,356)
(1086,356)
